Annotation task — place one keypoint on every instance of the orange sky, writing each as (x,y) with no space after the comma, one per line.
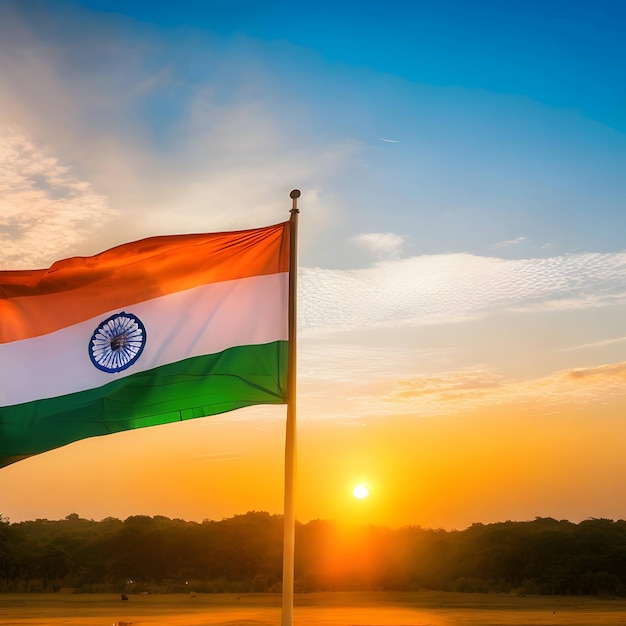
(449,471)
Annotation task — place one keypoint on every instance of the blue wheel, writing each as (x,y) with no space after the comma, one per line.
(117,342)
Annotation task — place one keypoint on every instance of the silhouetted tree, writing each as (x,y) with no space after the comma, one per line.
(244,553)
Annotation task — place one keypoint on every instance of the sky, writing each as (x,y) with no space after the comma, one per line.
(462,262)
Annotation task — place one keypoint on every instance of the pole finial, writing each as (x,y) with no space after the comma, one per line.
(294,195)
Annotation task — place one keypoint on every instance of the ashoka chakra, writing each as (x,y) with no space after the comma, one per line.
(117,342)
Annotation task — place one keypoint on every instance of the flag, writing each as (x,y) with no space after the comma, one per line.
(150,332)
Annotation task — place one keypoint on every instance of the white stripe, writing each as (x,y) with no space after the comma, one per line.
(202,320)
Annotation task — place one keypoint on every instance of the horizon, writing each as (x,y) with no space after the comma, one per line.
(462,347)
(335,522)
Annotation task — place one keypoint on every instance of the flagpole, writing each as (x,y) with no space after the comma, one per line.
(289,532)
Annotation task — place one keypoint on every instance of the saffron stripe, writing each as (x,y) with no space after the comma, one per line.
(196,387)
(33,303)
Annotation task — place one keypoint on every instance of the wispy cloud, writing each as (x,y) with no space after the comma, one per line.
(45,210)
(393,338)
(509,242)
(446,288)
(448,386)
(454,392)
(388,140)
(387,245)
(604,374)
(595,344)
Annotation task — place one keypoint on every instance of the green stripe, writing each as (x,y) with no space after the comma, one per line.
(196,387)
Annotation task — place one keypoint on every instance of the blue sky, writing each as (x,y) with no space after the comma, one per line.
(462,174)
(506,120)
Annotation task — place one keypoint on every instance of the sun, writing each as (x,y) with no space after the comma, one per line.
(360,492)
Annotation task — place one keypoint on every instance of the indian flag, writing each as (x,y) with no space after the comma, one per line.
(151,332)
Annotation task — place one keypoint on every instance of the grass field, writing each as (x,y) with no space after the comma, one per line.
(315,609)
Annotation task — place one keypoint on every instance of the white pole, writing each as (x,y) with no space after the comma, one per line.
(290,430)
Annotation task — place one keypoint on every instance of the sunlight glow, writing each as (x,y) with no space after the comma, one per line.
(360,492)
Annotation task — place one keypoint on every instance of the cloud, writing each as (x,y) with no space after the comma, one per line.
(448,386)
(154,82)
(614,373)
(441,289)
(45,211)
(168,148)
(462,391)
(595,344)
(388,140)
(393,338)
(386,245)
(509,242)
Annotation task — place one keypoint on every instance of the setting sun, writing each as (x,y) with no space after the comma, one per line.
(360,492)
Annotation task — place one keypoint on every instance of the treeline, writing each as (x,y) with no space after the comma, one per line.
(244,554)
